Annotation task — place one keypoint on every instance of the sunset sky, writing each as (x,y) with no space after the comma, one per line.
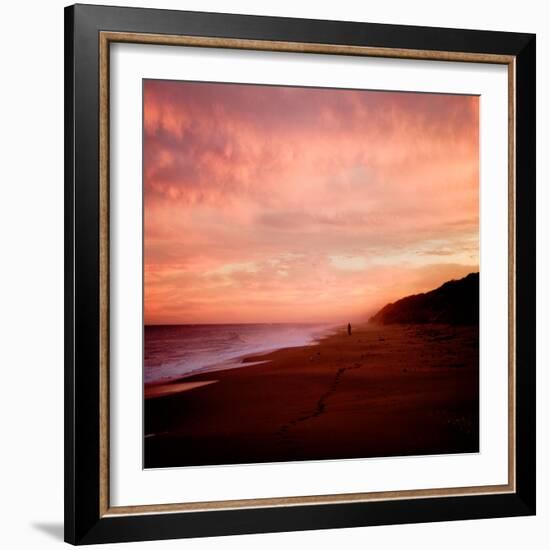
(282,204)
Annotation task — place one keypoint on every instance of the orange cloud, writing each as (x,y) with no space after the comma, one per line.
(267,203)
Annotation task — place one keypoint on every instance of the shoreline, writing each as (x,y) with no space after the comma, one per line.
(247,359)
(383,391)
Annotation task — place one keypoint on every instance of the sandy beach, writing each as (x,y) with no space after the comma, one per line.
(392,390)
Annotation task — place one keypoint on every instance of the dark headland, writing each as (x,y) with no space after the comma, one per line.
(454,303)
(406,383)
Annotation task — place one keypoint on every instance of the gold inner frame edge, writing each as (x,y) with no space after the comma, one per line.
(108,37)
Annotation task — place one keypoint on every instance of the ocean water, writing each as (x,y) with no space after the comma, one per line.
(177,351)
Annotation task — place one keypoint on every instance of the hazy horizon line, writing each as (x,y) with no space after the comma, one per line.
(253,323)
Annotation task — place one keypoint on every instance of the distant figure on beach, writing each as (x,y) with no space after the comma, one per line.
(349,329)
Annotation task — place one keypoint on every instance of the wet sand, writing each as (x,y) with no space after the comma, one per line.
(392,390)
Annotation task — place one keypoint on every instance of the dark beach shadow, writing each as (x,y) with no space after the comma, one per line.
(53,530)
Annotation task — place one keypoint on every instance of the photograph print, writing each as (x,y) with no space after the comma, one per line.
(311,273)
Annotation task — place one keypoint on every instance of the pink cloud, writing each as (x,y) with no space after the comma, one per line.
(242,174)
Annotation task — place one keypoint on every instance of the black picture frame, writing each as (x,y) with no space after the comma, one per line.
(84,523)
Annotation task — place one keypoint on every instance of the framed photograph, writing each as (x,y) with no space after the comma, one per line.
(300,274)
